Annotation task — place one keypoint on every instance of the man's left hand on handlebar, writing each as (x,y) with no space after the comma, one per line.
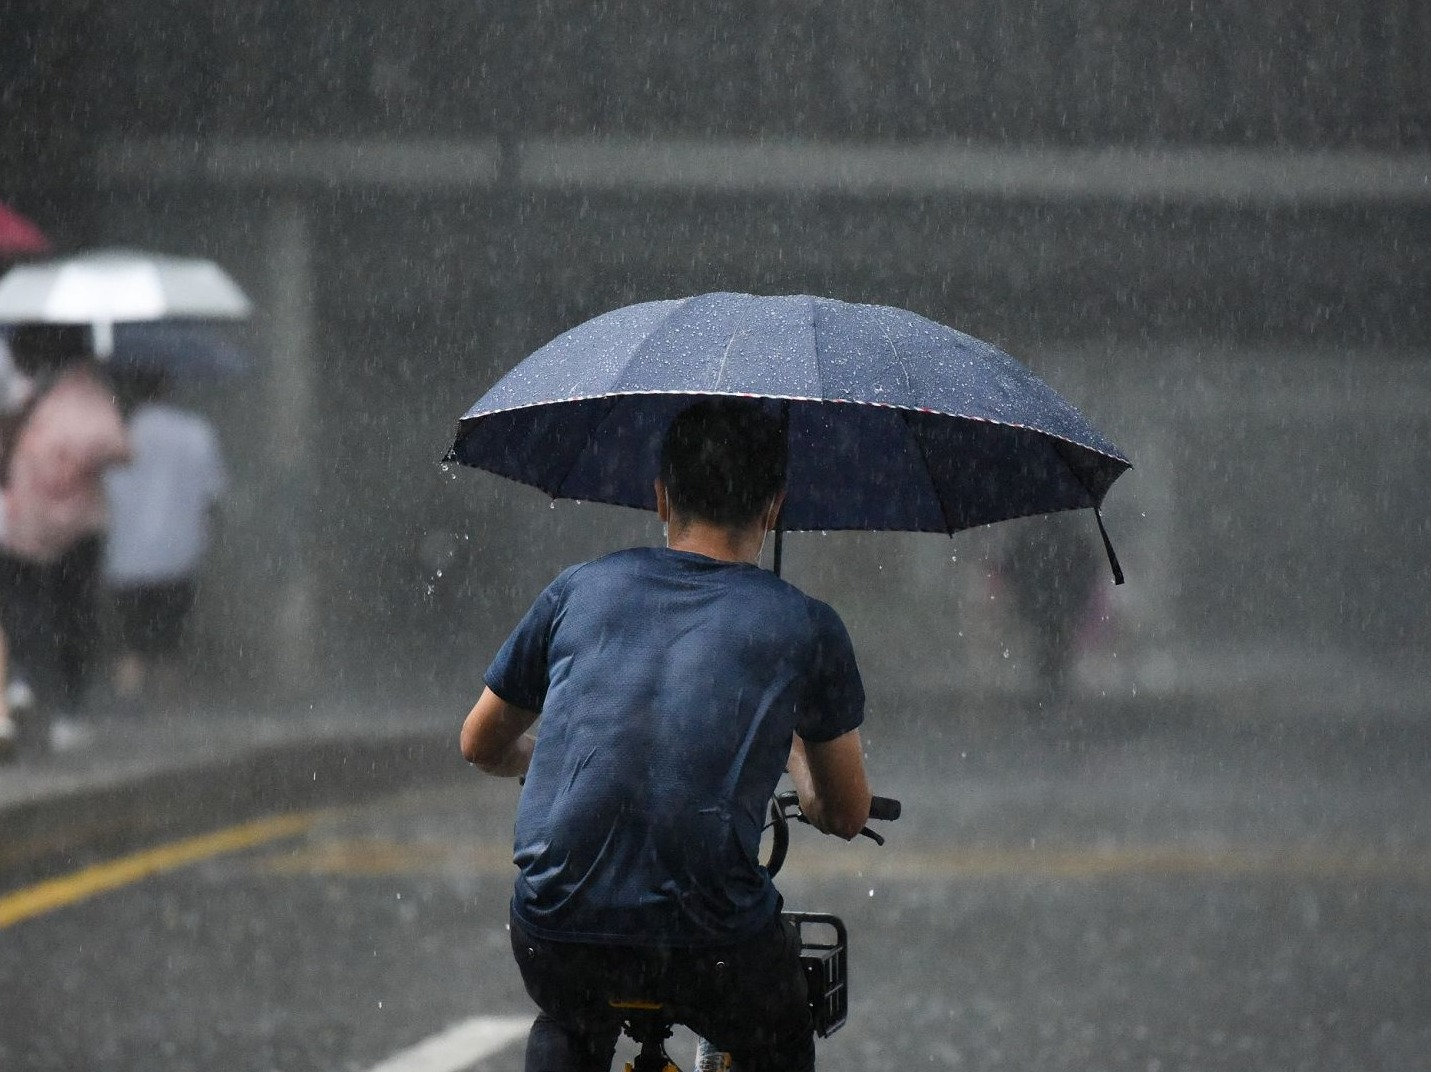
(829,778)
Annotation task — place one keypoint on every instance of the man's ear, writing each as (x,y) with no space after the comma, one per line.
(663,503)
(776,504)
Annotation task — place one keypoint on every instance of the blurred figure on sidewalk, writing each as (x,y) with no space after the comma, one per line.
(162,508)
(62,432)
(1049,568)
(19,239)
(11,396)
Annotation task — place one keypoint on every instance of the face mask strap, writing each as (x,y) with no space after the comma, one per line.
(779,538)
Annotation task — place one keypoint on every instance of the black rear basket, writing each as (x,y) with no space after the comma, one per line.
(823,953)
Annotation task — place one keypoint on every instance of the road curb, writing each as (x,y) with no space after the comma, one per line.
(187,798)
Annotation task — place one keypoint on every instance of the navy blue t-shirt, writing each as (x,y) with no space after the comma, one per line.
(669,686)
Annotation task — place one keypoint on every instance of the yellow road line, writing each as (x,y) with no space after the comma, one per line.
(373,857)
(69,889)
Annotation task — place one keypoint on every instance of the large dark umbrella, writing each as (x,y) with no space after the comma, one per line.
(895,422)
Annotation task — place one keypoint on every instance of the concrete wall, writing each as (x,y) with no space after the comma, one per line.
(1276,412)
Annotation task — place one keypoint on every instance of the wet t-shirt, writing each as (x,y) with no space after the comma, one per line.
(669,686)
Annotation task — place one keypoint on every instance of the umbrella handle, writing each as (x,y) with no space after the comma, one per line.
(1107,546)
(102,333)
(779,528)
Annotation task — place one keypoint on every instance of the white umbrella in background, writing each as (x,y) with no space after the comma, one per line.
(117,286)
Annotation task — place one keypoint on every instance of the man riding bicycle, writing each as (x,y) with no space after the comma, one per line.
(674,686)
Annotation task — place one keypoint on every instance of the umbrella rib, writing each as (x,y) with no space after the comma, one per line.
(819,364)
(609,406)
(924,459)
(725,356)
(898,357)
(1058,446)
(678,306)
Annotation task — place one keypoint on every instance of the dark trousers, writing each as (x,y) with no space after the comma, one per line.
(748,998)
(150,618)
(51,618)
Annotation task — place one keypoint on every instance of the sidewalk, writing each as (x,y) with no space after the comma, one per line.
(138,778)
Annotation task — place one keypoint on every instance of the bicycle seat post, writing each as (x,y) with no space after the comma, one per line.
(648,1026)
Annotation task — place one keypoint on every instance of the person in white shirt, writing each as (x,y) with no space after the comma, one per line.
(162,509)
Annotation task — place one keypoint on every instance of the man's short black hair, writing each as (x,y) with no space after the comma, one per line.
(723,461)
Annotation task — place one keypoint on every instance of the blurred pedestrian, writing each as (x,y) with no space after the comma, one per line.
(19,239)
(9,732)
(162,508)
(55,444)
(1049,568)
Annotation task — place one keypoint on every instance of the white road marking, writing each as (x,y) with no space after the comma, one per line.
(460,1046)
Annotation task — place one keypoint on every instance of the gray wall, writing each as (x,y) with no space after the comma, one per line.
(1274,529)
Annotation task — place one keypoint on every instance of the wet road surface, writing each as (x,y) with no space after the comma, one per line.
(1149,895)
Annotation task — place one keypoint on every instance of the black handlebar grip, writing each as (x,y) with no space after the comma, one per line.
(886,808)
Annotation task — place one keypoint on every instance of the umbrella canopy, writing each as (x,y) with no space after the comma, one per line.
(116,285)
(18,236)
(179,348)
(894,422)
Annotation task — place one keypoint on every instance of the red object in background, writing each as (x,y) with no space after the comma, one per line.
(18,236)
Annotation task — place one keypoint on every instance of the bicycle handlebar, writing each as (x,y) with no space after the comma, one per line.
(885,808)
(785,806)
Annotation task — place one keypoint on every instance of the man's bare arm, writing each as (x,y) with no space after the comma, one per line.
(829,777)
(494,736)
